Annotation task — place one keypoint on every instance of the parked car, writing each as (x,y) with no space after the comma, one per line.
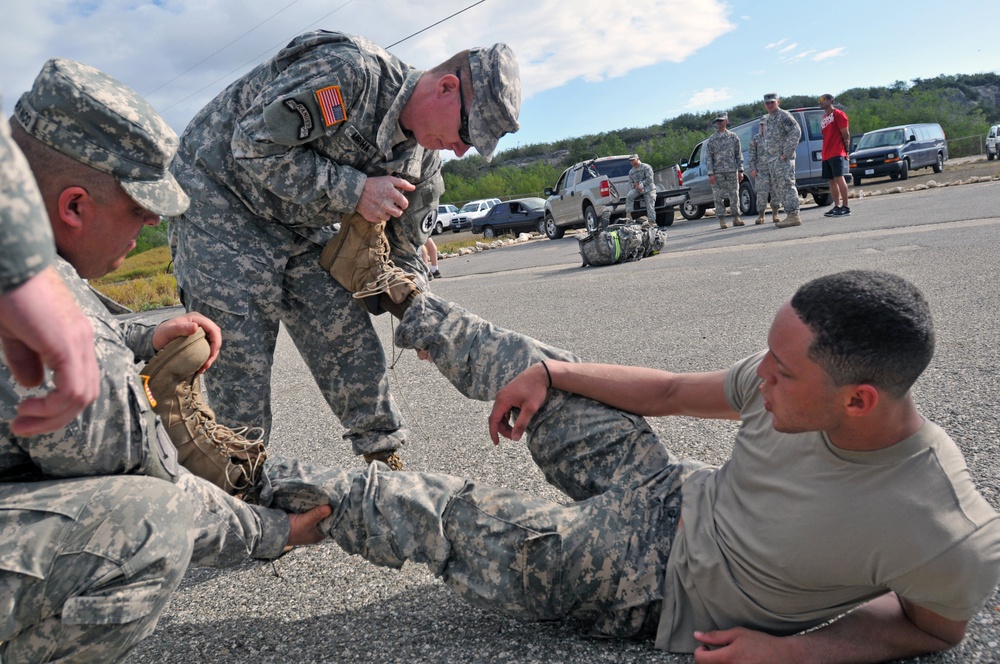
(808,167)
(895,151)
(446,213)
(522,214)
(993,143)
(471,210)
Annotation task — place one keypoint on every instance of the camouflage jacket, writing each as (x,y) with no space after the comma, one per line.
(755,153)
(781,136)
(643,175)
(723,153)
(26,245)
(116,434)
(295,139)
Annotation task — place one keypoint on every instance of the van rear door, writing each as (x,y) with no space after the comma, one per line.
(809,154)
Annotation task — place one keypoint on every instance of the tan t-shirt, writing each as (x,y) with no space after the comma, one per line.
(793,531)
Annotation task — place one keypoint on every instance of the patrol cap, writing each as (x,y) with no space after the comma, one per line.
(97,120)
(763,119)
(771,96)
(722,116)
(633,157)
(496,81)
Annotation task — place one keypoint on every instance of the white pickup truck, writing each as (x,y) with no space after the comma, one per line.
(586,189)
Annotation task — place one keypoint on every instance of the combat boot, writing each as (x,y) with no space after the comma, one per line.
(791,220)
(760,217)
(390,458)
(231,459)
(722,222)
(358,258)
(737,221)
(774,212)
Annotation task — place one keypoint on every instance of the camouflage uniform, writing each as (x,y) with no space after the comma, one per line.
(755,162)
(643,176)
(532,558)
(781,137)
(724,160)
(97,522)
(26,246)
(268,182)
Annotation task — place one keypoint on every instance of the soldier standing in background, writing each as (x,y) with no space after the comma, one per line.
(724,162)
(640,180)
(332,129)
(759,174)
(781,138)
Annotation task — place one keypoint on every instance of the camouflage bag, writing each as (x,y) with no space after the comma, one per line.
(621,243)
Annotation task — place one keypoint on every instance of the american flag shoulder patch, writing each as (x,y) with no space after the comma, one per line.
(331,104)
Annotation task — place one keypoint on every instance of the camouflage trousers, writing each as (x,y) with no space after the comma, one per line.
(649,198)
(779,177)
(249,294)
(76,581)
(600,560)
(726,186)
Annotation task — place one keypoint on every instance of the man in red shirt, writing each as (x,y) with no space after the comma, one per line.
(836,144)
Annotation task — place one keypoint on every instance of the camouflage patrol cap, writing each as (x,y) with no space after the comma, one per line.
(496,81)
(771,96)
(722,116)
(633,157)
(97,120)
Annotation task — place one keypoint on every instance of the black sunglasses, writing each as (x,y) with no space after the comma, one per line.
(463,128)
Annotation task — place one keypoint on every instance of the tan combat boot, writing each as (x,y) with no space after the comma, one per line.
(760,217)
(722,222)
(358,258)
(791,220)
(774,212)
(230,459)
(390,458)
(737,221)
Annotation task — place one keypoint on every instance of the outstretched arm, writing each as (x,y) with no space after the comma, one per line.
(633,389)
(885,628)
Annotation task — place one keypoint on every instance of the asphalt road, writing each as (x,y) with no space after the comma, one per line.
(703,303)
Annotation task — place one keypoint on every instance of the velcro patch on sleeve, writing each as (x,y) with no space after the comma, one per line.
(294,119)
(331,104)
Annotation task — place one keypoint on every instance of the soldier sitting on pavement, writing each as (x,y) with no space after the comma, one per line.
(839,497)
(97,521)
(724,163)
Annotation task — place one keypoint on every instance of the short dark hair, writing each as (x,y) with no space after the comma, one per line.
(870,327)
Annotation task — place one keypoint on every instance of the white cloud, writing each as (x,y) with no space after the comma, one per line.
(708,97)
(832,53)
(151,46)
(790,47)
(775,44)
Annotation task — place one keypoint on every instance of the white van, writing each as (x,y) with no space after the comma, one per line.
(993,142)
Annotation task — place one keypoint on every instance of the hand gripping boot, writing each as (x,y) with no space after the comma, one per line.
(231,459)
(358,258)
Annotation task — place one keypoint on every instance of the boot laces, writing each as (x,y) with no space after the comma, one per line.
(389,275)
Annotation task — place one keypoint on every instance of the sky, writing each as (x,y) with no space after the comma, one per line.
(587,66)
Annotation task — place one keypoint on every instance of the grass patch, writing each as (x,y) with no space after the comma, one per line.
(453,247)
(144,281)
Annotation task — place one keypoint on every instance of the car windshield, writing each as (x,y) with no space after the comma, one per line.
(470,207)
(881,139)
(533,203)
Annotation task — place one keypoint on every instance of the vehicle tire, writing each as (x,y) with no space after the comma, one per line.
(904,172)
(822,199)
(438,228)
(893,176)
(690,211)
(541,227)
(939,163)
(489,232)
(857,180)
(748,198)
(552,231)
(590,218)
(665,218)
(989,157)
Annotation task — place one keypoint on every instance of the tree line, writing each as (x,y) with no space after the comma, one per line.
(957,102)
